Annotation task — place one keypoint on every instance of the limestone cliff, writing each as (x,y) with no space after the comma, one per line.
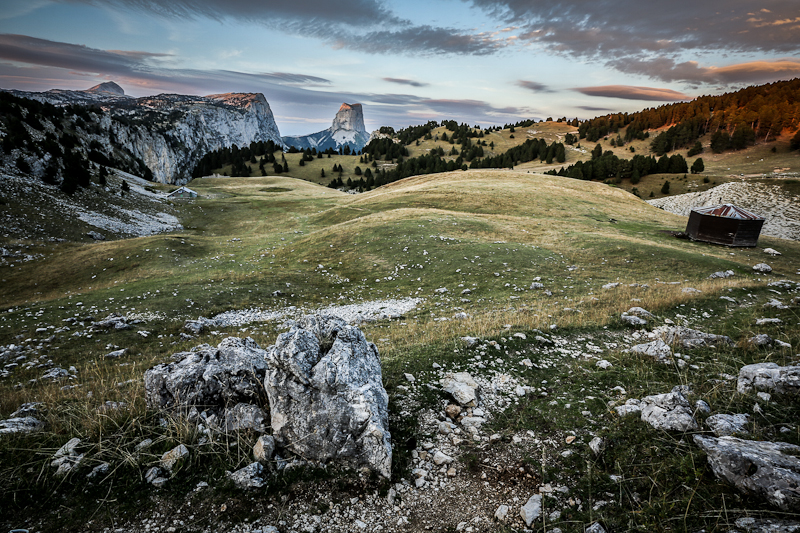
(347,130)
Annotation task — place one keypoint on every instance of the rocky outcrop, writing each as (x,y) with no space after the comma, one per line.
(326,395)
(770,470)
(209,377)
(691,338)
(347,130)
(169,133)
(769,377)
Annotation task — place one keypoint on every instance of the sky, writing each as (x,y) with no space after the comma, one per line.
(486,62)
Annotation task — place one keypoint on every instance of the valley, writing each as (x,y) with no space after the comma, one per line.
(463,253)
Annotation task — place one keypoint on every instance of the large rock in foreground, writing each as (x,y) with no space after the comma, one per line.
(770,470)
(326,395)
(224,376)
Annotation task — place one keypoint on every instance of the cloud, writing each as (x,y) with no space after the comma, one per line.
(33,64)
(629,92)
(534,86)
(368,26)
(424,40)
(403,81)
(592,108)
(588,28)
(752,72)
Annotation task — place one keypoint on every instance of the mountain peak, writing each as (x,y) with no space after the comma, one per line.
(107,87)
(349,117)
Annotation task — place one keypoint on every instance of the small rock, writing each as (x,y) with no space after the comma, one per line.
(116,353)
(409,377)
(721,274)
(532,509)
(20,424)
(152,474)
(611,285)
(775,304)
(702,407)
(501,513)
(98,470)
(596,527)
(596,445)
(470,341)
(631,406)
(657,349)
(639,311)
(771,252)
(452,411)
(759,340)
(172,457)
(669,411)
(462,387)
(602,364)
(537,286)
(264,448)
(440,459)
(724,425)
(632,320)
(249,477)
(762,268)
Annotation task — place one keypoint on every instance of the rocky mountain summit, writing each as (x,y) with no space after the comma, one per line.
(347,130)
(169,132)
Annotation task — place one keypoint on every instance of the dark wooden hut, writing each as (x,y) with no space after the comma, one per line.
(724,224)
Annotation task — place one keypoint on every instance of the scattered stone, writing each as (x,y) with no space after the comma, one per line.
(20,424)
(722,274)
(765,321)
(702,407)
(767,469)
(113,321)
(728,299)
(691,290)
(143,445)
(596,527)
(409,377)
(775,304)
(470,341)
(171,458)
(27,409)
(473,421)
(264,448)
(99,470)
(602,364)
(669,411)
(596,445)
(521,336)
(657,349)
(767,525)
(725,425)
(54,374)
(759,340)
(611,285)
(116,353)
(196,327)
(537,286)
(249,477)
(641,312)
(152,474)
(632,320)
(691,338)
(440,459)
(771,252)
(630,407)
(229,374)
(532,509)
(326,395)
(96,236)
(462,387)
(769,377)
(763,268)
(452,411)
(501,513)
(519,390)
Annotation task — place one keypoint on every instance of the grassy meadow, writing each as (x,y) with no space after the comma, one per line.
(274,242)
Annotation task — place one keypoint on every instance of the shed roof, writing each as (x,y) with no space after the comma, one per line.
(182,189)
(727,211)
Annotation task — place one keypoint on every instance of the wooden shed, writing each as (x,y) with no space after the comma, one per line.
(724,224)
(182,192)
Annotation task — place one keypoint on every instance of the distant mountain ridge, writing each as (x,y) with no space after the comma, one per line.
(347,130)
(169,132)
